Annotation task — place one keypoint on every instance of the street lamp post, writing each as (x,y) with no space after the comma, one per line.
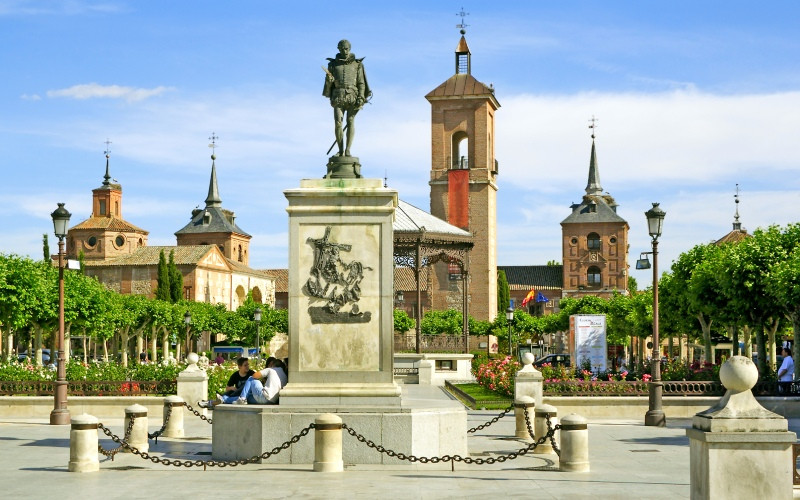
(509,319)
(187,318)
(257,319)
(655,415)
(60,414)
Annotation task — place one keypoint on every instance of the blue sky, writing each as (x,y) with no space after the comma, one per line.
(692,98)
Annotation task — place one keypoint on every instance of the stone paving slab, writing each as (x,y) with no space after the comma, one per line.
(628,461)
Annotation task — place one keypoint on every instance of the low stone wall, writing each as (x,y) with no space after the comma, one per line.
(434,374)
(634,407)
(99,406)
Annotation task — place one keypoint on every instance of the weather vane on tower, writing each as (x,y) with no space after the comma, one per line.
(107,152)
(213,144)
(462,26)
(593,125)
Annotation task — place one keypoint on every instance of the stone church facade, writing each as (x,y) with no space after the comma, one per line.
(212,251)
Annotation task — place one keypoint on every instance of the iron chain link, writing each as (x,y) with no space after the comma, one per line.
(112,452)
(458,458)
(199,463)
(155,435)
(197,413)
(492,421)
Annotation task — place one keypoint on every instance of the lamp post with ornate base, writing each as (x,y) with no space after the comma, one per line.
(655,414)
(60,414)
(257,319)
(509,319)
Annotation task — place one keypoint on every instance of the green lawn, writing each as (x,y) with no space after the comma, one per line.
(486,399)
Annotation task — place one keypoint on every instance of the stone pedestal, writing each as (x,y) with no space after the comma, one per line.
(193,384)
(343,167)
(738,449)
(529,381)
(341,294)
(174,426)
(419,427)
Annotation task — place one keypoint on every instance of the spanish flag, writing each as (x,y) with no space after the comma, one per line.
(531,295)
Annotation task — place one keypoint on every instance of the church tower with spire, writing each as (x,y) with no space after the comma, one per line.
(105,235)
(463,181)
(214,225)
(594,241)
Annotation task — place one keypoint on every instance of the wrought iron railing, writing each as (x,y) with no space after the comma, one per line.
(400,371)
(89,387)
(429,343)
(670,388)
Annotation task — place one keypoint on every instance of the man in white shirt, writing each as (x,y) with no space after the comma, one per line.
(786,371)
(266,393)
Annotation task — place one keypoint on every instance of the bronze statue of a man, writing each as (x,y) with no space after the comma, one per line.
(346,86)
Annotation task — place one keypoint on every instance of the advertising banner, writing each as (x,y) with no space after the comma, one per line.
(589,332)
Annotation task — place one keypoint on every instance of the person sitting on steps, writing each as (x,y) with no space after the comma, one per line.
(255,391)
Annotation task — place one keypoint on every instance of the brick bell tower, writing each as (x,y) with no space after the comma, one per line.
(463,182)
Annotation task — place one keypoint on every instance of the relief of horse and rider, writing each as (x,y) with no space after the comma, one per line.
(336,282)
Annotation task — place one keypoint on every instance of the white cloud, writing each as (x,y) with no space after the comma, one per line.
(94,90)
(62,7)
(30,97)
(672,137)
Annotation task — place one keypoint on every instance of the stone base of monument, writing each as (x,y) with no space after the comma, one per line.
(346,395)
(418,427)
(343,167)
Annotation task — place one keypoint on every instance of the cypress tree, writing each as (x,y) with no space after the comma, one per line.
(503,293)
(81,259)
(46,247)
(163,287)
(175,279)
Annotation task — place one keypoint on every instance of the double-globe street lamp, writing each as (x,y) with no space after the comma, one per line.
(257,319)
(655,414)
(60,413)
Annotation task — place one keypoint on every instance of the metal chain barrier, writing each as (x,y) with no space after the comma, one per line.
(113,452)
(551,434)
(201,463)
(155,435)
(492,421)
(197,413)
(456,458)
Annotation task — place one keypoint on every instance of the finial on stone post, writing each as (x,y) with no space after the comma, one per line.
(739,438)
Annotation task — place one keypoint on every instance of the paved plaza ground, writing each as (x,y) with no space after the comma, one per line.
(628,460)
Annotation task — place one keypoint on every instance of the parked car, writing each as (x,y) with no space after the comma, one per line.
(553,360)
(45,356)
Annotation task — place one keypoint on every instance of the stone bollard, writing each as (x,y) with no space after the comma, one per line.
(528,381)
(138,436)
(193,383)
(540,427)
(574,444)
(426,369)
(328,444)
(738,448)
(523,405)
(83,444)
(174,426)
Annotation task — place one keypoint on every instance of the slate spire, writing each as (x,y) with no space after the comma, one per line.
(212,200)
(593,186)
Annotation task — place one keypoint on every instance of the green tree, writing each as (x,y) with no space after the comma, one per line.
(784,285)
(744,277)
(553,263)
(402,321)
(503,293)
(633,286)
(45,247)
(175,279)
(163,289)
(441,322)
